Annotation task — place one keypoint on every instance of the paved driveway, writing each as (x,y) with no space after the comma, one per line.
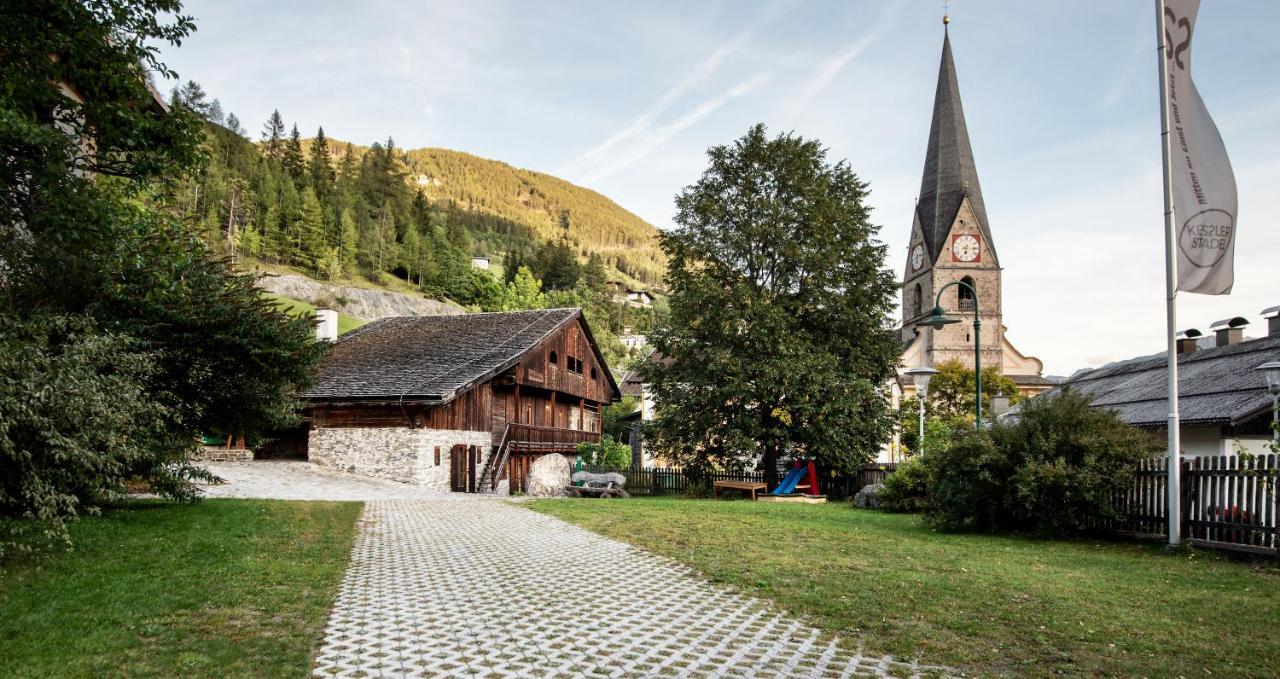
(444,585)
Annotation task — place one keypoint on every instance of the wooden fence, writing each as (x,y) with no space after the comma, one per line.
(1227,502)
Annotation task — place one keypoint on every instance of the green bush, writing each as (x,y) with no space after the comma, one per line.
(907,488)
(606,453)
(76,421)
(1054,470)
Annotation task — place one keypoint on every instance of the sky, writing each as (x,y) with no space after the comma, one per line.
(625,98)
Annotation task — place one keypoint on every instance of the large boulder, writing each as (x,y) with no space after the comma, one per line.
(548,476)
(869,496)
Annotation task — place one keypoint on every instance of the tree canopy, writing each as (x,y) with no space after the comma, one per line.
(121,337)
(779,340)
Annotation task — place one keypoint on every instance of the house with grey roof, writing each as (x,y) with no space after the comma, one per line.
(1223,400)
(468,403)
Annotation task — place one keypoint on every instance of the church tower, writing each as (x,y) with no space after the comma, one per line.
(951,240)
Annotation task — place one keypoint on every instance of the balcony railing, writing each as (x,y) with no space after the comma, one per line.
(532,437)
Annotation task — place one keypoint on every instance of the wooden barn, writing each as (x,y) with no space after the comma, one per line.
(465,403)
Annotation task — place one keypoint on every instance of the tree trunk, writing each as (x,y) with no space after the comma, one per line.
(771,464)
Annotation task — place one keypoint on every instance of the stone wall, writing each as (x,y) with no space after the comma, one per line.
(220,454)
(395,453)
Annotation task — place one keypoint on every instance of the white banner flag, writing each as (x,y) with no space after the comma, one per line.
(1204,187)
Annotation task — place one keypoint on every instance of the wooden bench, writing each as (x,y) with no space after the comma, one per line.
(597,485)
(752,487)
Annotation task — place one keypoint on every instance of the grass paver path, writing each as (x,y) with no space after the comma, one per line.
(484,588)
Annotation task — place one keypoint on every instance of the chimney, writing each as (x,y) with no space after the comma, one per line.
(1272,315)
(326,325)
(1229,330)
(999,404)
(1187,341)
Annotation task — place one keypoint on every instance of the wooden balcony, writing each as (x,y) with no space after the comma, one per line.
(532,438)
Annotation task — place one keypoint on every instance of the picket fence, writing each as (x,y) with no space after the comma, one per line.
(1227,502)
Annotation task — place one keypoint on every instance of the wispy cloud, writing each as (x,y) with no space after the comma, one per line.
(641,143)
(640,136)
(835,63)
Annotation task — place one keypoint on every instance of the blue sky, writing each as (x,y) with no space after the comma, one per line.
(626,97)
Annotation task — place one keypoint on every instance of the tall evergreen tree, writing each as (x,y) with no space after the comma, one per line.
(557,265)
(320,169)
(273,136)
(779,339)
(214,113)
(234,125)
(293,161)
(348,242)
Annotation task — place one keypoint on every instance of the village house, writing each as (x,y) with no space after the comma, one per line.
(470,403)
(1223,401)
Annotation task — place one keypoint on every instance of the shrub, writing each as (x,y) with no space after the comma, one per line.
(907,488)
(606,453)
(76,422)
(1054,470)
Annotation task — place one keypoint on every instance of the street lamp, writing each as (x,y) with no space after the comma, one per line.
(940,318)
(921,377)
(1271,371)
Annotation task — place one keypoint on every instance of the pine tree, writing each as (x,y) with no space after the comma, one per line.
(234,125)
(557,265)
(312,246)
(320,170)
(273,135)
(293,160)
(193,97)
(347,244)
(593,273)
(214,112)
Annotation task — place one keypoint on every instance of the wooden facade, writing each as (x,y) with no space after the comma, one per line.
(547,402)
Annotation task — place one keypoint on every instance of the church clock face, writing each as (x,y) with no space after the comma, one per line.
(917,257)
(965,248)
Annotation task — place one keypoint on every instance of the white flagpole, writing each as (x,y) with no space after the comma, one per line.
(1171,289)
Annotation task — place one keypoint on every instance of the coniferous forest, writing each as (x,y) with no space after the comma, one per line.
(341,211)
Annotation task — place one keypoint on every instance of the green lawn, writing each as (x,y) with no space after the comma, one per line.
(987,604)
(220,588)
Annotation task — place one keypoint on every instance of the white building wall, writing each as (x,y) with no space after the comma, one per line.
(394,453)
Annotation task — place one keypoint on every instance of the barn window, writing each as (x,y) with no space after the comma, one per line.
(594,376)
(964,295)
(575,365)
(553,358)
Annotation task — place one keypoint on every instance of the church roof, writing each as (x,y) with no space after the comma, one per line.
(949,169)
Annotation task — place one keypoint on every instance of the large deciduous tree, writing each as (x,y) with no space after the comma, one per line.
(121,339)
(779,342)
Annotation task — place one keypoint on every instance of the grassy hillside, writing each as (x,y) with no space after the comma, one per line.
(541,203)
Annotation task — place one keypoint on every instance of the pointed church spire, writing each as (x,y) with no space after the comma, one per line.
(949,169)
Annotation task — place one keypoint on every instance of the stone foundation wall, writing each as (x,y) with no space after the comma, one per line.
(395,453)
(216,454)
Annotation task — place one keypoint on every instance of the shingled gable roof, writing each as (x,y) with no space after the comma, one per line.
(949,169)
(1216,386)
(435,358)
